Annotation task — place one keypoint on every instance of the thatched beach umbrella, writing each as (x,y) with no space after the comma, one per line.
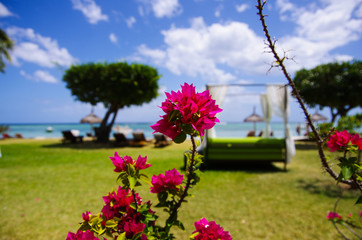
(318,117)
(254,118)
(91,119)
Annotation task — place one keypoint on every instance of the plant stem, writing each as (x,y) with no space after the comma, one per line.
(319,141)
(190,171)
(351,230)
(134,198)
(334,223)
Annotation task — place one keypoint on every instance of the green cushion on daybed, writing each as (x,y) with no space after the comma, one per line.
(249,142)
(251,148)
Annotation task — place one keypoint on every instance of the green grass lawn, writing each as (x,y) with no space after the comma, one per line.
(45,187)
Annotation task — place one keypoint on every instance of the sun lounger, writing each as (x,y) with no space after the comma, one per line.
(18,135)
(121,139)
(6,135)
(139,139)
(69,137)
(251,133)
(161,140)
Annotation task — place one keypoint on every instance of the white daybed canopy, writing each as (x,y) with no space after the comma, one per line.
(274,101)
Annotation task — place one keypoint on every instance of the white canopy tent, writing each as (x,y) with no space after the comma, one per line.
(274,102)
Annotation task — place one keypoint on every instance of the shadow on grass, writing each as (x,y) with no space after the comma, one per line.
(308,145)
(251,167)
(90,145)
(327,188)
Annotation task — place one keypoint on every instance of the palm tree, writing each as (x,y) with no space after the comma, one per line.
(6,44)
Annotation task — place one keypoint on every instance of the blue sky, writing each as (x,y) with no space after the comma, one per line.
(194,41)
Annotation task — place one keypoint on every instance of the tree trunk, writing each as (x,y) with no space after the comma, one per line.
(103,132)
(342,112)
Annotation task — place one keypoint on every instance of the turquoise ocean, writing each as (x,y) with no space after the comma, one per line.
(222,129)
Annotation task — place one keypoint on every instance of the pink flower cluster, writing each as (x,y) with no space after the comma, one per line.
(166,182)
(210,231)
(117,204)
(189,107)
(80,235)
(340,140)
(86,216)
(121,162)
(333,215)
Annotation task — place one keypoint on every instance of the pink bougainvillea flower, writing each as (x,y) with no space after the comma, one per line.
(86,216)
(357,140)
(166,182)
(80,235)
(338,140)
(210,231)
(333,215)
(187,107)
(117,202)
(133,226)
(121,162)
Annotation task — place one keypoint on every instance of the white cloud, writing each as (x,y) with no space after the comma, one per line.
(113,38)
(90,10)
(166,8)
(44,76)
(220,51)
(34,48)
(359,11)
(242,7)
(40,76)
(218,11)
(141,12)
(130,21)
(4,12)
(158,56)
(320,29)
(204,50)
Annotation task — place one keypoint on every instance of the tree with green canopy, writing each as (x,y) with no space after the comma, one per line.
(334,85)
(6,44)
(116,85)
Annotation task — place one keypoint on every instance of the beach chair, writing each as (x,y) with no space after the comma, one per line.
(139,139)
(251,133)
(69,137)
(6,135)
(121,139)
(18,135)
(161,140)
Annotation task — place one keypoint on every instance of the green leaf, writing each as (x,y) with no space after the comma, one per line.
(162,197)
(347,172)
(194,235)
(188,155)
(111,224)
(131,170)
(136,236)
(132,182)
(122,236)
(180,225)
(180,138)
(122,176)
(359,200)
(188,129)
(174,115)
(144,178)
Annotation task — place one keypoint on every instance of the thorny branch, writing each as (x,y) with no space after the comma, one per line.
(280,63)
